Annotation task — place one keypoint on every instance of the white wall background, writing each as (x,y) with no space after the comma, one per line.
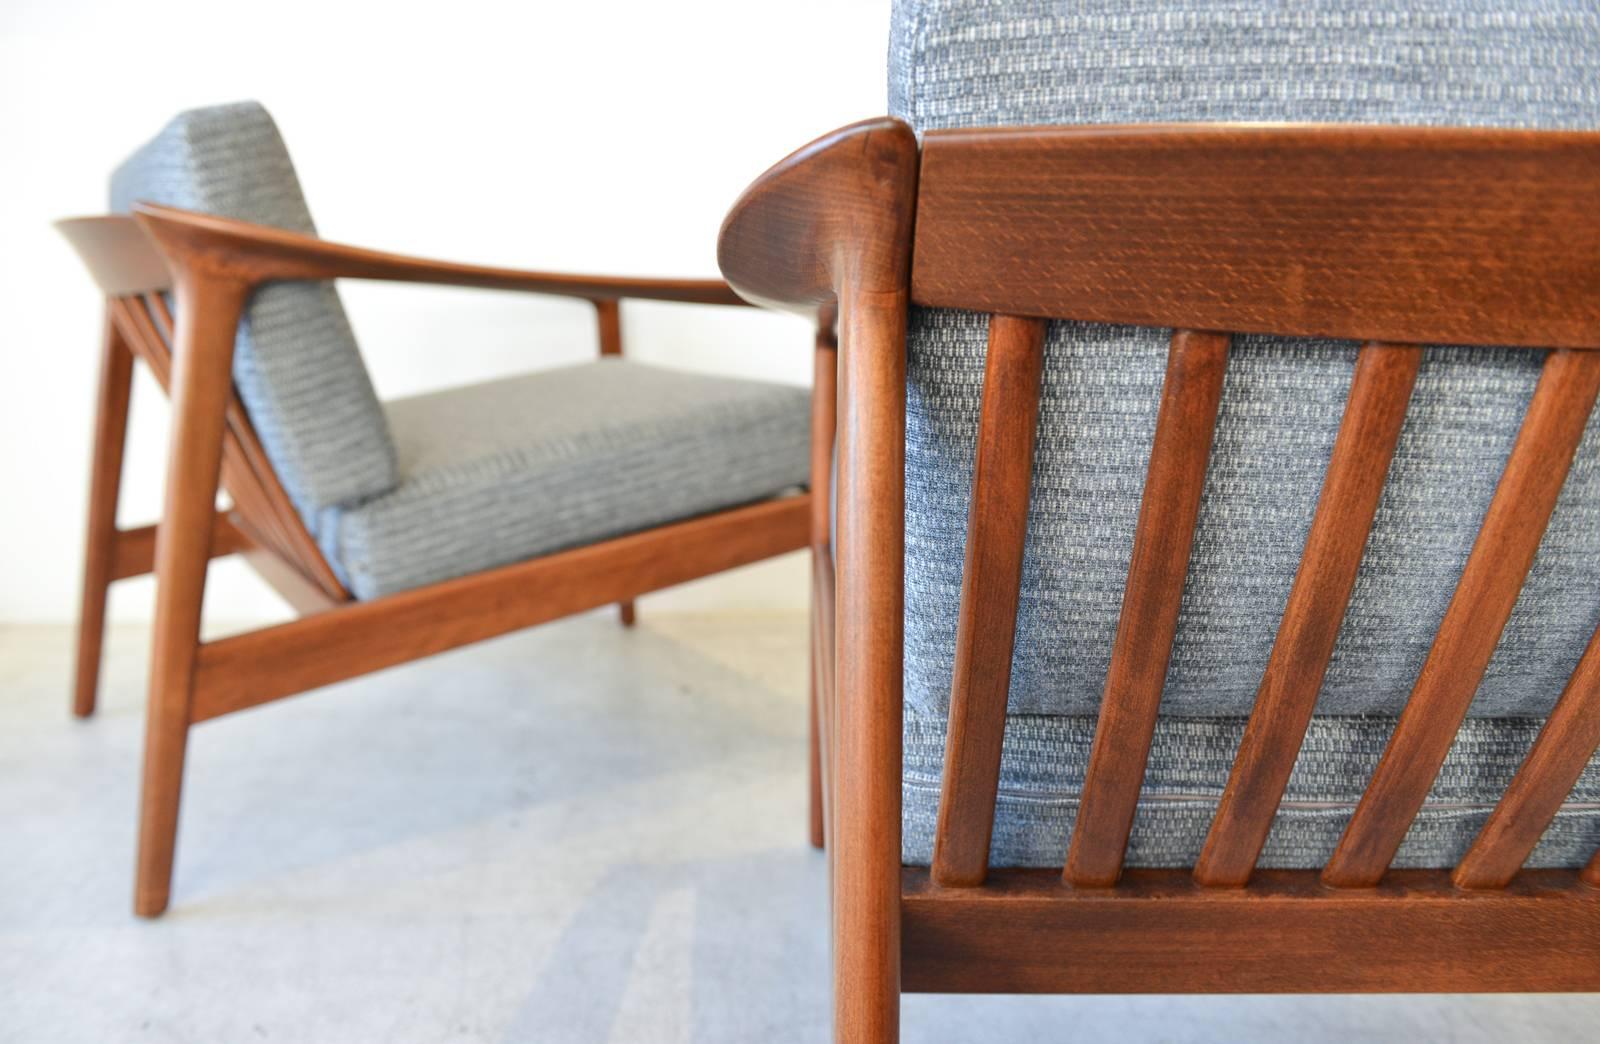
(600,136)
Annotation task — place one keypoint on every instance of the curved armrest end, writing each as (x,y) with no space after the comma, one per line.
(835,212)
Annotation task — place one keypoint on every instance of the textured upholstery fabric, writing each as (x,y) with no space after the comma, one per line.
(1043,765)
(295,363)
(499,472)
(1458,62)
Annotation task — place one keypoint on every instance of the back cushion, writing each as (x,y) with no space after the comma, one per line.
(1528,63)
(295,362)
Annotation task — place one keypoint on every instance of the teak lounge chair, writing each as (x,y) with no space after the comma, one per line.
(397,530)
(1188,626)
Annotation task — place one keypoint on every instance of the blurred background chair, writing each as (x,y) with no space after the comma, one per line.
(1301,599)
(396,529)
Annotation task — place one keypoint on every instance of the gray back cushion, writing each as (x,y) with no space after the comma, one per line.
(1481,62)
(295,362)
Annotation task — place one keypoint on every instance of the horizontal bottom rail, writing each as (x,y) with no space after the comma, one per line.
(245,670)
(1156,931)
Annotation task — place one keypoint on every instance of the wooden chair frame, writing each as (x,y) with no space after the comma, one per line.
(1391,237)
(213,264)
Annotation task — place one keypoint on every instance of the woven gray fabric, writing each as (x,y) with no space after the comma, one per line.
(500,472)
(1043,765)
(295,362)
(955,63)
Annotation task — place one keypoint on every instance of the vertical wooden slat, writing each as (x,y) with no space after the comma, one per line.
(1196,364)
(1591,873)
(1373,415)
(1548,774)
(1499,563)
(997,526)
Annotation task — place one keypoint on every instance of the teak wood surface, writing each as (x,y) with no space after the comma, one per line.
(211,265)
(1393,237)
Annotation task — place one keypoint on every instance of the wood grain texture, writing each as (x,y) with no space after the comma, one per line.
(249,669)
(1162,538)
(1373,415)
(826,213)
(258,253)
(109,438)
(1365,233)
(1565,744)
(997,526)
(1483,599)
(1159,932)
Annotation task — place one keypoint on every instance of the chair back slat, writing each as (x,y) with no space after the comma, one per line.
(1493,577)
(1190,395)
(1373,415)
(996,531)
(1566,743)
(1361,233)
(268,516)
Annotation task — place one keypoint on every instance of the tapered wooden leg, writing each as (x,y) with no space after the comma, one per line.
(105,480)
(869,631)
(608,314)
(208,316)
(824,392)
(814,731)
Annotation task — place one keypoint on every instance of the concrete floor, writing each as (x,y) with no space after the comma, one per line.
(574,834)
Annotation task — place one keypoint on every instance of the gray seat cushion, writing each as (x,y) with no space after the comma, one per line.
(295,363)
(500,472)
(1042,775)
(1462,62)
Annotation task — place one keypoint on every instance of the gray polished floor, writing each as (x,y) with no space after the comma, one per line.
(574,834)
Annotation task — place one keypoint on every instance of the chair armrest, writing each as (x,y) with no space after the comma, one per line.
(257,254)
(836,212)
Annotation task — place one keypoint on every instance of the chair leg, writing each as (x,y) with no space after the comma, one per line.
(625,613)
(209,310)
(814,762)
(105,479)
(864,837)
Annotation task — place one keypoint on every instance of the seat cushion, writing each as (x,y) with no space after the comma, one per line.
(500,472)
(1042,769)
(295,361)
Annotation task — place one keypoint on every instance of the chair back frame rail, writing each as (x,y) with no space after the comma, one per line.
(210,265)
(1389,237)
